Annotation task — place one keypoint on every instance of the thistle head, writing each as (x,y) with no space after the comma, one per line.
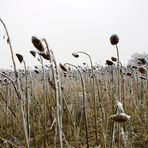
(37,44)
(45,55)
(129,74)
(142,60)
(142,70)
(114,39)
(36,71)
(75,55)
(20,57)
(109,63)
(122,117)
(33,53)
(114,59)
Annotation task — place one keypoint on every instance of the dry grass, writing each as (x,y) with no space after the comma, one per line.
(135,104)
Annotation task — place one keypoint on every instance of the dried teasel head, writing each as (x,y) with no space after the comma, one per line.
(142,70)
(33,53)
(45,55)
(63,67)
(113,59)
(36,71)
(75,55)
(109,63)
(20,57)
(142,60)
(134,67)
(120,118)
(114,39)
(35,67)
(37,44)
(129,74)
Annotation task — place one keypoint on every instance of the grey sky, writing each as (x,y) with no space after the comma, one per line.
(73,25)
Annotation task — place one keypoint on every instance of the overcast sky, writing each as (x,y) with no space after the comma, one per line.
(74,25)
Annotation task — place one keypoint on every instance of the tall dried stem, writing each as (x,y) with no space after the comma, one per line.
(19,92)
(94,95)
(84,102)
(58,93)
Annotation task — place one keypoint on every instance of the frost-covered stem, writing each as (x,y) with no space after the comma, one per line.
(27,100)
(58,94)
(19,93)
(94,96)
(84,102)
(45,99)
(119,95)
(118,66)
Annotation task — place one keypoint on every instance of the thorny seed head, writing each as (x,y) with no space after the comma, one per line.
(114,39)
(45,55)
(36,71)
(33,53)
(120,118)
(142,61)
(142,70)
(134,67)
(20,57)
(129,74)
(37,43)
(109,63)
(75,55)
(113,59)
(62,67)
(36,67)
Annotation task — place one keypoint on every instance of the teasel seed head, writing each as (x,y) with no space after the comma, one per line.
(142,61)
(120,118)
(134,67)
(37,44)
(45,55)
(63,67)
(33,53)
(142,70)
(75,55)
(113,59)
(129,74)
(109,63)
(114,39)
(20,57)
(36,71)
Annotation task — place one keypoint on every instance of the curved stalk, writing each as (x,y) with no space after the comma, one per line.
(94,95)
(19,92)
(58,93)
(84,102)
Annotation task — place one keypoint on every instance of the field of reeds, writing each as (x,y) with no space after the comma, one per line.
(63,105)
